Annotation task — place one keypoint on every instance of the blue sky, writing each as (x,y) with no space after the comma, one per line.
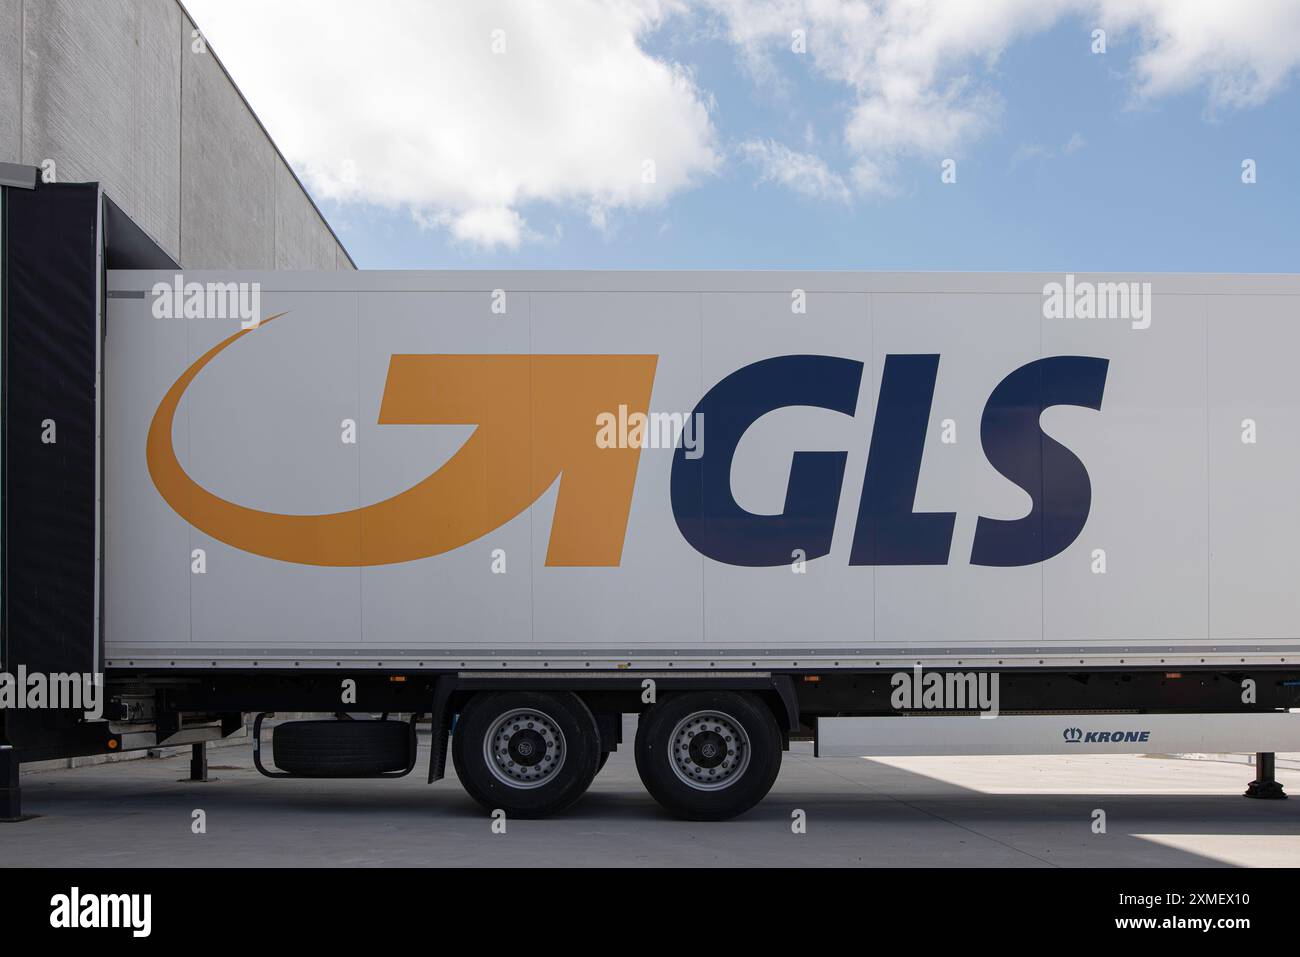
(1071,160)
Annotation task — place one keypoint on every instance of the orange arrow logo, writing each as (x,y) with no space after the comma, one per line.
(535,419)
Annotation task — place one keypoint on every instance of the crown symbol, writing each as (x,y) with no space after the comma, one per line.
(1072,735)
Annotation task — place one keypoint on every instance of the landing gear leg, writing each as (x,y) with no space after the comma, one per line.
(1265,785)
(11,799)
(199,761)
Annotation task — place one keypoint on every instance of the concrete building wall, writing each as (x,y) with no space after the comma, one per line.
(11,72)
(113,91)
(228,170)
(299,244)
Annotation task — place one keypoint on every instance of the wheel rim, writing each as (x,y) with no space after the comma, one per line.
(524,748)
(709,750)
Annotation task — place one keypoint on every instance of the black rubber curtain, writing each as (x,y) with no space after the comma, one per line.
(50,317)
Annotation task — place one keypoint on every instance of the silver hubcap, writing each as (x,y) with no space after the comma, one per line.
(709,750)
(524,749)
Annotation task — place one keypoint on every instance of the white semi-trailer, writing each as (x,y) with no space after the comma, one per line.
(895,513)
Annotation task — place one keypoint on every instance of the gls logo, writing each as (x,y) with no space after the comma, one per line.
(548,403)
(888,532)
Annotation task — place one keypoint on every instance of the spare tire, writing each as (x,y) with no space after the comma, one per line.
(341,749)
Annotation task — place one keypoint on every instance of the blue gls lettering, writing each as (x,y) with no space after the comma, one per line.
(888,531)
(707,512)
(1015,445)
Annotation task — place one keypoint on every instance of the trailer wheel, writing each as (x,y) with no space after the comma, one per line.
(526,753)
(709,755)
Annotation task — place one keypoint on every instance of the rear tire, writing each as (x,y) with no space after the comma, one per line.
(709,755)
(524,752)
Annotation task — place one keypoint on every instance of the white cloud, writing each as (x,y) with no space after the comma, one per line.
(1242,53)
(404,104)
(912,67)
(802,172)
(919,71)
(489,226)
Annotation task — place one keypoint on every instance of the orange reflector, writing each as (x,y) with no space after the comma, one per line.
(397,677)
(112,744)
(812,677)
(1173,674)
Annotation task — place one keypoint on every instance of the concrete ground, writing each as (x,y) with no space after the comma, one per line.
(1001,812)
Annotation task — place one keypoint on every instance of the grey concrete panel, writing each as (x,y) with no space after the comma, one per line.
(227,174)
(11,81)
(154,203)
(302,240)
(78,97)
(101,98)
(97,88)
